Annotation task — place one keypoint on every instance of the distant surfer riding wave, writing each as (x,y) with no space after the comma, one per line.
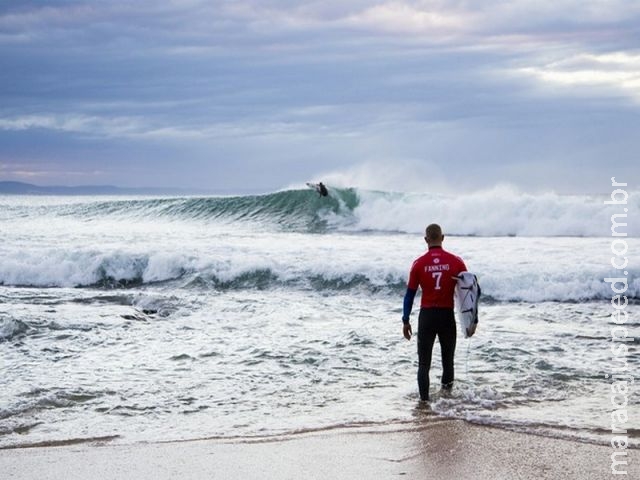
(320,188)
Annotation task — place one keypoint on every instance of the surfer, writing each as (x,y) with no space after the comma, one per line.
(434,272)
(320,188)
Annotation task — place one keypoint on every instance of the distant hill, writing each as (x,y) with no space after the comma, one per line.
(20,188)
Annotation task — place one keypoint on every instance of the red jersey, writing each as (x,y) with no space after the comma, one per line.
(435,272)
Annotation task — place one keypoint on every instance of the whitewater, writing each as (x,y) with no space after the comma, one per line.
(146,318)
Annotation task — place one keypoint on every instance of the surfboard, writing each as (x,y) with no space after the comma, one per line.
(467,295)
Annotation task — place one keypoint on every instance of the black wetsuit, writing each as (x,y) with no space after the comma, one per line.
(434,322)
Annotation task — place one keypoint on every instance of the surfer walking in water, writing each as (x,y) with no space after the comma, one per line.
(435,273)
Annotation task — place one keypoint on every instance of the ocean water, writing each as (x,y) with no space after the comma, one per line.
(146,319)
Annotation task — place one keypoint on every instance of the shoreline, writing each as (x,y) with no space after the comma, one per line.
(424,419)
(442,448)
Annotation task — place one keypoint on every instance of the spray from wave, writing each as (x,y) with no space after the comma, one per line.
(502,211)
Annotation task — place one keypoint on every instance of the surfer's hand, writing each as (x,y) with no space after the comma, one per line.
(406,330)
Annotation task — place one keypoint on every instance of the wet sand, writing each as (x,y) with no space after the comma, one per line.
(439,450)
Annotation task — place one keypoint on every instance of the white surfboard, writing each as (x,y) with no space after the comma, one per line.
(467,295)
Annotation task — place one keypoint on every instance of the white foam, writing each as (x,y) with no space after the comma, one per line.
(69,268)
(501,211)
(509,269)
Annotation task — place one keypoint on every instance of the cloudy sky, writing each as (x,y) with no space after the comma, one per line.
(239,95)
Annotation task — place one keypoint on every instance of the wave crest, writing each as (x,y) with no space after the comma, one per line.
(502,211)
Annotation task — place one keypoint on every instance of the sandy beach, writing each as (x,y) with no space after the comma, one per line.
(440,449)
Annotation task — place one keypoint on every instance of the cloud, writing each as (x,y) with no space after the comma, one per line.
(47,170)
(460,90)
(616,73)
(406,19)
(73,123)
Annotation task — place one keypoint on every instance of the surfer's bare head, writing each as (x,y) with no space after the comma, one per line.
(433,235)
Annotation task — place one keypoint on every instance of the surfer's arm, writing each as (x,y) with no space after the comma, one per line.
(408,304)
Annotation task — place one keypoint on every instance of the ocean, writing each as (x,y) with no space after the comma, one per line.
(142,319)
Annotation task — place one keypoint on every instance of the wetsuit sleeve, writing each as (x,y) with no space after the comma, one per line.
(412,288)
(408,304)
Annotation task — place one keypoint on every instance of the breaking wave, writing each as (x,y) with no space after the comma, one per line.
(502,211)
(123,270)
